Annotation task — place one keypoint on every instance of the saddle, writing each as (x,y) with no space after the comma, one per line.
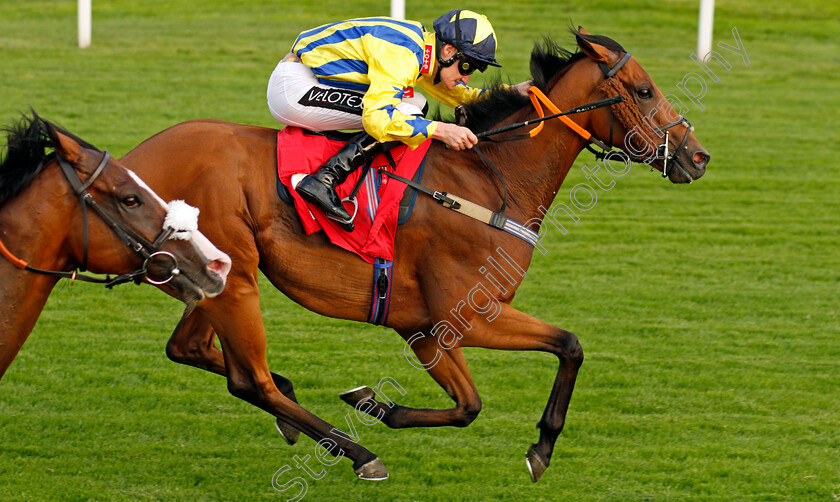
(376,203)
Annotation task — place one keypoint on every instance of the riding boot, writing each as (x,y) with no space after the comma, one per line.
(319,187)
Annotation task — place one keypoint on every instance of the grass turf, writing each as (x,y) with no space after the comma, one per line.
(708,313)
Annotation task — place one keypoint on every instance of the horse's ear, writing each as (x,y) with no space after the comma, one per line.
(595,51)
(64,145)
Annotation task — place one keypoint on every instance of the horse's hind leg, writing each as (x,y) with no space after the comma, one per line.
(193,343)
(236,317)
(449,369)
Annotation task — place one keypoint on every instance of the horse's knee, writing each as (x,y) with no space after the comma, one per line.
(568,348)
(468,411)
(188,353)
(250,388)
(244,388)
(184,346)
(284,385)
(176,353)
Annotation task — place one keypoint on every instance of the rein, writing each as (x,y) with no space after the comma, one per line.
(537,96)
(619,105)
(497,219)
(148,250)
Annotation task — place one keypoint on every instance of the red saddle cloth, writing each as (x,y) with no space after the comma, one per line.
(379,196)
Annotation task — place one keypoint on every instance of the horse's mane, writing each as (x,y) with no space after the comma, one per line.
(548,61)
(27,142)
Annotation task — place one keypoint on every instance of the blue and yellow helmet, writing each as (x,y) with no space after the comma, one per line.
(470,33)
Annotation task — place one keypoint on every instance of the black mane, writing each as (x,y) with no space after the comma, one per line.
(548,60)
(27,143)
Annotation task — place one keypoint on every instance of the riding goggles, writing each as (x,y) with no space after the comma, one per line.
(467,65)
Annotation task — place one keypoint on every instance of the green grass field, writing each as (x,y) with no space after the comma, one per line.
(708,313)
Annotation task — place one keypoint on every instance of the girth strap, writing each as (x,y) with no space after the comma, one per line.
(381,297)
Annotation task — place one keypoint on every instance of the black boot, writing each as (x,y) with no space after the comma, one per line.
(319,187)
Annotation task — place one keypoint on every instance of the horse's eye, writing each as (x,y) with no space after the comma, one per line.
(644,93)
(131,201)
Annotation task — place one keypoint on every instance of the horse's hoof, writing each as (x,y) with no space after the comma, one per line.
(354,396)
(289,433)
(536,464)
(373,471)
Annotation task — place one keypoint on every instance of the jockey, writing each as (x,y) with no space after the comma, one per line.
(361,74)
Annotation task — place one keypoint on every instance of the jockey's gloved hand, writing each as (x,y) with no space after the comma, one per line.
(522,87)
(455,136)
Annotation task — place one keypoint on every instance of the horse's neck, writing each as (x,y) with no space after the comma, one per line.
(31,226)
(23,295)
(540,165)
(533,169)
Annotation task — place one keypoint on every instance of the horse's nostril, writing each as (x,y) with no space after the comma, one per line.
(220,267)
(701,159)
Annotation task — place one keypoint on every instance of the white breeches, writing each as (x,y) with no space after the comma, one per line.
(296,98)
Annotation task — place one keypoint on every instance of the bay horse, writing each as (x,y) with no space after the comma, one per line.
(44,222)
(229,171)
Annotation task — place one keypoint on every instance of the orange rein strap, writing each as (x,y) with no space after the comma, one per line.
(536,96)
(12,258)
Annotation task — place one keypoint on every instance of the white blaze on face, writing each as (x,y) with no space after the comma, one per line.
(183,219)
(145,187)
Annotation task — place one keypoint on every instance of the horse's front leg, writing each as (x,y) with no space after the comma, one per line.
(193,343)
(236,318)
(505,329)
(514,330)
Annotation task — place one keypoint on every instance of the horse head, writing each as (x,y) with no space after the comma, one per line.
(135,229)
(178,257)
(645,125)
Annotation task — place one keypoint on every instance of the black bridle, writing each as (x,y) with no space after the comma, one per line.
(661,152)
(150,251)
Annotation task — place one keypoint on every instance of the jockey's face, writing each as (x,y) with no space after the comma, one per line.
(450,75)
